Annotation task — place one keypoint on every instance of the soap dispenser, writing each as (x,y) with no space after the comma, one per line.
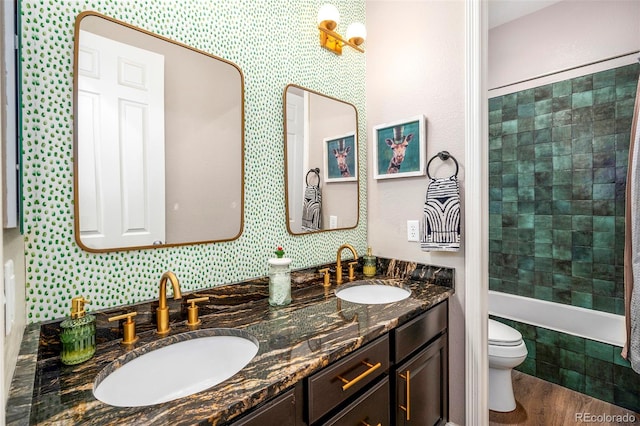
(369,264)
(279,279)
(78,334)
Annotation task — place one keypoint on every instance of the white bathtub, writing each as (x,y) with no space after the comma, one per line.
(595,325)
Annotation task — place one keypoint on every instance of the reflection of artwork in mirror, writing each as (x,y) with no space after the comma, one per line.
(399,148)
(320,131)
(159,125)
(341,158)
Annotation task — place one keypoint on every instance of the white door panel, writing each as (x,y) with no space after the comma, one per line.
(89,185)
(121,108)
(134,182)
(296,158)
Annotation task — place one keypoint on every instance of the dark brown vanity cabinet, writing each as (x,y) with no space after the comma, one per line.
(283,410)
(420,374)
(421,387)
(345,379)
(371,408)
(399,379)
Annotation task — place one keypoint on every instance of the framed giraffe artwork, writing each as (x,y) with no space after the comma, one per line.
(340,158)
(400,148)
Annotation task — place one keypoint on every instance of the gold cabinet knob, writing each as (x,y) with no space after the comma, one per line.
(326,277)
(192,311)
(128,327)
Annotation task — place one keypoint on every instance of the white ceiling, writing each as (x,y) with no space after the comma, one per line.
(503,11)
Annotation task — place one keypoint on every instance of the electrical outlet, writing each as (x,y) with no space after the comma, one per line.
(412,230)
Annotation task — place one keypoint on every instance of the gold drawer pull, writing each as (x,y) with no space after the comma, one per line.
(407,409)
(348,384)
(367,424)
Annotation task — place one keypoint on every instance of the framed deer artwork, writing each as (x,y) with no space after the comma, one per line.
(340,158)
(400,148)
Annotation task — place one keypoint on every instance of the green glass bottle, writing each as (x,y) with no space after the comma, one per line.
(78,334)
(369,264)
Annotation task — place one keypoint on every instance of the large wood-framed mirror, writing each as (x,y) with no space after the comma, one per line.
(321,162)
(158,140)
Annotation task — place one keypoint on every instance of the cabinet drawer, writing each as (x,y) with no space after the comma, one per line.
(372,408)
(280,411)
(412,335)
(336,383)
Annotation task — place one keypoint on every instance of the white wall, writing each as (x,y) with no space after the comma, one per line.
(567,34)
(415,65)
(329,119)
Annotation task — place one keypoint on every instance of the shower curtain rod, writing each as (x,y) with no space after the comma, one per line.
(567,69)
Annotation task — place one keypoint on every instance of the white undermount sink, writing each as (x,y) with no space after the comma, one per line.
(372,292)
(195,362)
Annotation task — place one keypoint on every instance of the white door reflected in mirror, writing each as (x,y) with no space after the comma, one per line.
(158,143)
(121,160)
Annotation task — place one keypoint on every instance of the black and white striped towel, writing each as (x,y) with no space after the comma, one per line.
(441,221)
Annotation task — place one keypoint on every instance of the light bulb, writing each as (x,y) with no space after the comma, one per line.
(356,33)
(328,16)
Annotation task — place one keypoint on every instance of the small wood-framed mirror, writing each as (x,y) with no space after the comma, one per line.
(321,162)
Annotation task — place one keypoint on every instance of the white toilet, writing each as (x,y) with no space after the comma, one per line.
(506,351)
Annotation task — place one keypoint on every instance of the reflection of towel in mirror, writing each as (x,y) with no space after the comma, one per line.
(312,209)
(441,221)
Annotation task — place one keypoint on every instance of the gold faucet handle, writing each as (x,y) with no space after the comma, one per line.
(351,271)
(192,311)
(326,277)
(198,299)
(128,327)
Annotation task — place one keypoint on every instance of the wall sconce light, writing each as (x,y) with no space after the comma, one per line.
(328,20)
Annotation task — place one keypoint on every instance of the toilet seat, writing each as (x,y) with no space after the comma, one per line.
(498,354)
(502,335)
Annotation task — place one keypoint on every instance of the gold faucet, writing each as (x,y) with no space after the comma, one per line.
(339,261)
(162,312)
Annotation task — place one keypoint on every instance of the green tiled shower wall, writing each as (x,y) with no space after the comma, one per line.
(275,43)
(557,170)
(584,365)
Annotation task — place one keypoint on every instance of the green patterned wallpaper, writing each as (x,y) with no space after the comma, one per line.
(274,42)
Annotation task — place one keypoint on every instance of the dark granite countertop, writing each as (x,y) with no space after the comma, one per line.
(295,341)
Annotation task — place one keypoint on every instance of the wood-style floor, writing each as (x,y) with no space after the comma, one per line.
(541,403)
